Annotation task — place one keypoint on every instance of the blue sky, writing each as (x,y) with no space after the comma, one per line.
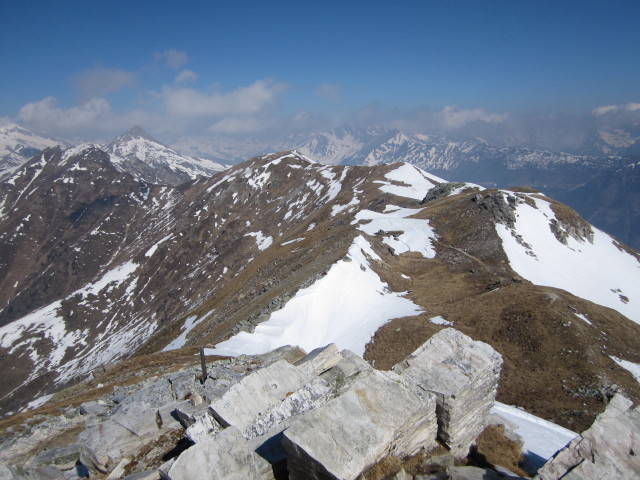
(91,68)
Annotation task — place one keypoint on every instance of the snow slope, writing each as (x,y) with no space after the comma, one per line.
(598,271)
(344,307)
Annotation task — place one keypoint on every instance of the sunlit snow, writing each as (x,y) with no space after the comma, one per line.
(263,242)
(598,271)
(632,368)
(416,182)
(542,439)
(189,324)
(415,236)
(344,307)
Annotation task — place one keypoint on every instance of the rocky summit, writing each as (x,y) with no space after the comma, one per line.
(287,414)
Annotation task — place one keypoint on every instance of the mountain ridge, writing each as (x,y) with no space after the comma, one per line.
(218,257)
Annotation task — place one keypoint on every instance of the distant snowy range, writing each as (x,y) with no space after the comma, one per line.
(600,180)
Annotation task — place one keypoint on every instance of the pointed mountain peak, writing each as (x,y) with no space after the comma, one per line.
(134,133)
(138,132)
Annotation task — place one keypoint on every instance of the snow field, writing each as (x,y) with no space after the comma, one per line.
(598,271)
(344,307)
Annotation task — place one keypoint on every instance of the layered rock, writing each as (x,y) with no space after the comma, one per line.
(377,416)
(328,414)
(463,374)
(609,449)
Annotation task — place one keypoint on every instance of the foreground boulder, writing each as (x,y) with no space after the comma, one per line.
(463,375)
(376,417)
(609,449)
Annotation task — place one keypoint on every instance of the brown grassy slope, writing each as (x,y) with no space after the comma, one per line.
(555,364)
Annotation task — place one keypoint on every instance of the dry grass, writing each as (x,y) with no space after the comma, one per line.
(496,449)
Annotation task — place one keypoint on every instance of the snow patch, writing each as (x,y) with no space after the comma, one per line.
(598,271)
(408,234)
(632,368)
(345,307)
(416,182)
(292,241)
(189,324)
(262,241)
(440,321)
(582,317)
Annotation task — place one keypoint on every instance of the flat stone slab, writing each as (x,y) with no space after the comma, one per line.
(375,417)
(320,360)
(225,457)
(256,394)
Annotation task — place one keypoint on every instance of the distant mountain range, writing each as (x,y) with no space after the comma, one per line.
(17,145)
(560,175)
(135,151)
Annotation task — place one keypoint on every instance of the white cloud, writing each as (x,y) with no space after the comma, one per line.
(172,58)
(186,76)
(328,91)
(98,82)
(46,114)
(453,117)
(629,107)
(244,100)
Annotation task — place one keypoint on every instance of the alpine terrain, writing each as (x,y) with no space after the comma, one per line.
(117,262)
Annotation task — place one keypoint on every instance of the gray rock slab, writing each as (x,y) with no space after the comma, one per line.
(187,413)
(184,384)
(288,353)
(118,472)
(155,394)
(375,417)
(256,394)
(225,457)
(320,360)
(203,427)
(610,448)
(96,407)
(149,475)
(140,419)
(11,472)
(168,418)
(61,457)
(110,440)
(311,395)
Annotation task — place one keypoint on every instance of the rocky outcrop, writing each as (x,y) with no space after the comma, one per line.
(326,415)
(463,375)
(609,449)
(377,416)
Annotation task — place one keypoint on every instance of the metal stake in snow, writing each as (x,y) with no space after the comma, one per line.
(204,366)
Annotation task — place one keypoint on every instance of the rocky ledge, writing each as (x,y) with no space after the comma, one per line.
(287,414)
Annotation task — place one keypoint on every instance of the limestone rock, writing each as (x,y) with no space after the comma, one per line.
(61,457)
(304,399)
(96,407)
(225,457)
(203,427)
(463,374)
(10,472)
(610,448)
(375,417)
(188,413)
(320,360)
(256,394)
